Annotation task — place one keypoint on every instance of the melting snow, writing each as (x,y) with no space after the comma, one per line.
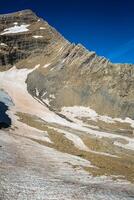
(16,29)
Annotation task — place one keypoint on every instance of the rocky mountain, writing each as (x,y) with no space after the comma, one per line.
(68,129)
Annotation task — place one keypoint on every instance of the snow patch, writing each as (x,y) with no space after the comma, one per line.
(46,101)
(37,66)
(37,36)
(77,141)
(16,29)
(46,65)
(42,28)
(3,44)
(52,96)
(37,92)
(80,111)
(43,94)
(15,23)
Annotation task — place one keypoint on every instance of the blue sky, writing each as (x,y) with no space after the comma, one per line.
(104,26)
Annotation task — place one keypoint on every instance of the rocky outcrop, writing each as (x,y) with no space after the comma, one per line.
(67,74)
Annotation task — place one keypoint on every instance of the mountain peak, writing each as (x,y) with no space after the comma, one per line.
(66,114)
(26,40)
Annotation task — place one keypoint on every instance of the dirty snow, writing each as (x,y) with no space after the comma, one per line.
(80,111)
(27,131)
(33,171)
(13,82)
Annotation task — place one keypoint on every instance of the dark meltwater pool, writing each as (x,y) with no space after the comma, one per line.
(5,121)
(5,103)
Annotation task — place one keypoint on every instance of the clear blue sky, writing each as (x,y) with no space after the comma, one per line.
(105,26)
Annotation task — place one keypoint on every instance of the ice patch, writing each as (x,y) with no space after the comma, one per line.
(16,29)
